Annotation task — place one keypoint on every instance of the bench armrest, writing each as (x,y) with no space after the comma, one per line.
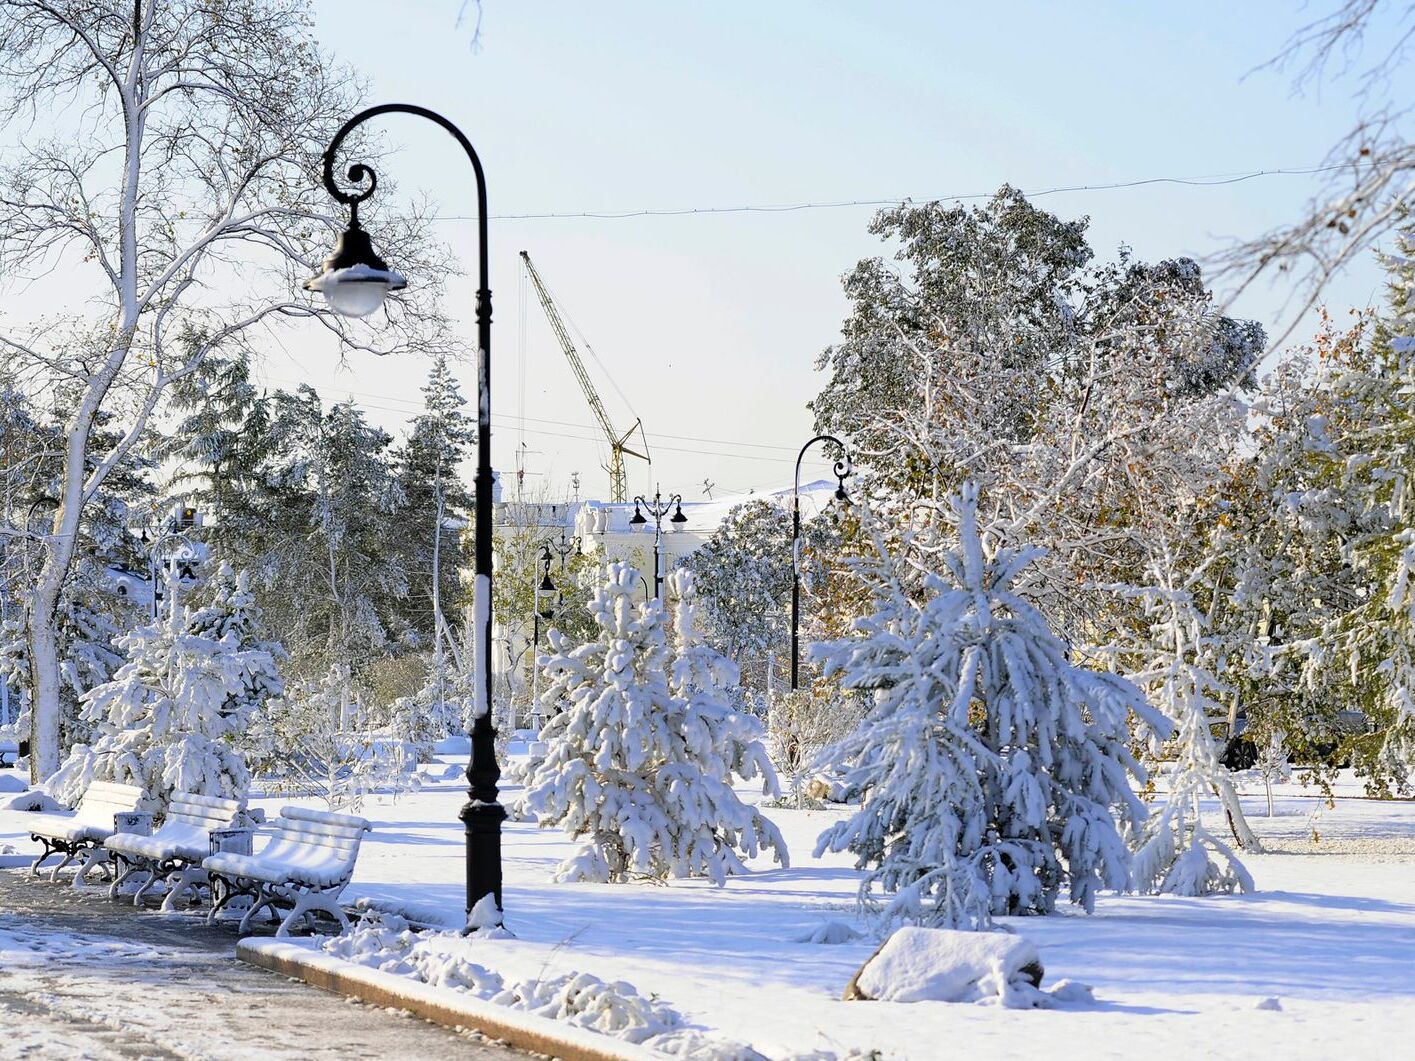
(136,821)
(235,841)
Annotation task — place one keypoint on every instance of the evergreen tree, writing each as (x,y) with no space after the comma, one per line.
(434,504)
(992,770)
(166,719)
(743,578)
(639,760)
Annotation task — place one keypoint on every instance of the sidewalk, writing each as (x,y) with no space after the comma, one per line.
(83,977)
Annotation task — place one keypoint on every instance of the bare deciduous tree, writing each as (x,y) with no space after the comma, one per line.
(170,172)
(1370,171)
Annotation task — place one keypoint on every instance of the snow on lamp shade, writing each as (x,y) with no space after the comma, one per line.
(355,279)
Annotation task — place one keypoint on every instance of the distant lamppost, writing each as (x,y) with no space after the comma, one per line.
(546,610)
(563,547)
(658,508)
(171,548)
(842,471)
(355,281)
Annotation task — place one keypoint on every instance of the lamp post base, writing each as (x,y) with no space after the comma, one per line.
(483,822)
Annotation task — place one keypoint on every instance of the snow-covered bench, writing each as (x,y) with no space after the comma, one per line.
(305,866)
(9,751)
(195,828)
(106,808)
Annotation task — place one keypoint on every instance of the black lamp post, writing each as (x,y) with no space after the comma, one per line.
(842,470)
(355,281)
(658,508)
(562,547)
(544,590)
(546,610)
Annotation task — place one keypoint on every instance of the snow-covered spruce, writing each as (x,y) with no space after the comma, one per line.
(189,684)
(992,769)
(640,758)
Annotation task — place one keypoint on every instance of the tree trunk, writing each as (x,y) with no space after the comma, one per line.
(44,683)
(1242,832)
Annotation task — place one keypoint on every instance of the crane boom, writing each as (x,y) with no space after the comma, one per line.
(618,479)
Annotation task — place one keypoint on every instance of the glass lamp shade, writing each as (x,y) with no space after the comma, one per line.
(355,279)
(356,291)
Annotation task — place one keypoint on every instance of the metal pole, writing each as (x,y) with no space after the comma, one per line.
(842,469)
(482,814)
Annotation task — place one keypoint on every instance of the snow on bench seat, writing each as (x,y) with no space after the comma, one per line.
(104,809)
(306,865)
(192,831)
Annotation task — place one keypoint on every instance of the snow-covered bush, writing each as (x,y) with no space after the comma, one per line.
(640,760)
(308,744)
(1176,852)
(801,725)
(992,769)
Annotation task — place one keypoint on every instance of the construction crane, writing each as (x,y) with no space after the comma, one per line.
(618,443)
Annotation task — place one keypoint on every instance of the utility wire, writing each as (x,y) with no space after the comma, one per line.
(1206,181)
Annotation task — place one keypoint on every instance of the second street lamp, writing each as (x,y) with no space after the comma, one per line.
(842,471)
(544,592)
(354,282)
(658,508)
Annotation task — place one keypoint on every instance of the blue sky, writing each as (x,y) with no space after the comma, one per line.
(710,325)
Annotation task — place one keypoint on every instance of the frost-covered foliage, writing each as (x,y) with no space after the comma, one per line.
(743,577)
(1176,852)
(992,769)
(312,743)
(190,685)
(1319,544)
(641,756)
(801,725)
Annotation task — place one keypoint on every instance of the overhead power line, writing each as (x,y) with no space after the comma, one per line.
(1204,181)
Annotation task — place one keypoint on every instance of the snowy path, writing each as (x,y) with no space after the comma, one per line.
(82,978)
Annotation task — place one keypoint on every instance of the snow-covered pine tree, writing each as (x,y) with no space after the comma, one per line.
(232,611)
(640,756)
(165,717)
(992,769)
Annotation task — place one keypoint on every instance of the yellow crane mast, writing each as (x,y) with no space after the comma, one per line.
(618,480)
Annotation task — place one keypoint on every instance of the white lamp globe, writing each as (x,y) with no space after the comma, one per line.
(355,280)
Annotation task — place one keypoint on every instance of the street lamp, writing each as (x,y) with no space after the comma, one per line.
(354,282)
(842,471)
(562,547)
(658,508)
(544,592)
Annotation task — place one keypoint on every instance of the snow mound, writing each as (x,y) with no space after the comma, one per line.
(945,965)
(11,783)
(1270,1004)
(830,932)
(614,1008)
(34,800)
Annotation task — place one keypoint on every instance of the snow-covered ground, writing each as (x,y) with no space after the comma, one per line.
(1329,936)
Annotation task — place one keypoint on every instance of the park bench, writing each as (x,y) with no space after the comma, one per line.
(106,808)
(194,828)
(307,863)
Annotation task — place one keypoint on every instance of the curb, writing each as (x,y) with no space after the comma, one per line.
(299,961)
